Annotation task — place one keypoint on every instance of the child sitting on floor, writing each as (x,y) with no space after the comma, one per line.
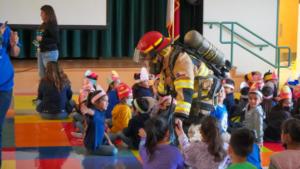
(290,137)
(254,115)
(95,140)
(271,79)
(142,87)
(240,146)
(113,81)
(89,84)
(155,150)
(268,100)
(121,113)
(220,113)
(229,99)
(54,99)
(141,108)
(278,115)
(207,153)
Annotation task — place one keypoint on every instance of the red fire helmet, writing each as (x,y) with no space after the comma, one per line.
(151,43)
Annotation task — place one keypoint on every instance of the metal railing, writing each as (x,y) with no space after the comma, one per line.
(231,27)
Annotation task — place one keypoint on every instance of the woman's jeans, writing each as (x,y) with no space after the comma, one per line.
(62,114)
(5,100)
(58,116)
(51,116)
(44,58)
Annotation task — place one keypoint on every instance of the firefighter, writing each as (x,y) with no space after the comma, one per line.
(177,71)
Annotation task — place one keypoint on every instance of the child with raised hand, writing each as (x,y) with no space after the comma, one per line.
(221,114)
(207,153)
(240,146)
(89,84)
(237,117)
(154,148)
(229,99)
(290,138)
(94,139)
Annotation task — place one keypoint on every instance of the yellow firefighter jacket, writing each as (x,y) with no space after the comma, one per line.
(181,79)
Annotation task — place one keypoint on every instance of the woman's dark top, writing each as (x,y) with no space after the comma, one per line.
(50,37)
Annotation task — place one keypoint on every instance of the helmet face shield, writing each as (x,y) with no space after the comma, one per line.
(140,57)
(137,56)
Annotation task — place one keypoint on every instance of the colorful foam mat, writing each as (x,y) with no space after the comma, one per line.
(30,142)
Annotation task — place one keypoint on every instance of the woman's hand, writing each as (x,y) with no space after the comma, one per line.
(14,38)
(39,38)
(2,28)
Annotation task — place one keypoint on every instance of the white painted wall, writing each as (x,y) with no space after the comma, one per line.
(68,12)
(260,16)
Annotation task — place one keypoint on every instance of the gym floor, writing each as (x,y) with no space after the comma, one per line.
(30,142)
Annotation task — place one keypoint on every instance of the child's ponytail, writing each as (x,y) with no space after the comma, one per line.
(156,129)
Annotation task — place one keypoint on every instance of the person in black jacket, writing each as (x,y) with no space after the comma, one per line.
(54,94)
(129,135)
(141,107)
(47,37)
(268,100)
(296,95)
(278,115)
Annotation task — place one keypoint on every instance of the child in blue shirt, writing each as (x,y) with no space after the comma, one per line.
(94,139)
(220,113)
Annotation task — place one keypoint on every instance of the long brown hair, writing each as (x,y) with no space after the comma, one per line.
(54,74)
(50,14)
(156,129)
(211,134)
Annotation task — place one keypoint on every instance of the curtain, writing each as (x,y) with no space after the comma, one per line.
(127,20)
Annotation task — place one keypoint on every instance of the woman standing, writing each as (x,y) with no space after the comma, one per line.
(48,37)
